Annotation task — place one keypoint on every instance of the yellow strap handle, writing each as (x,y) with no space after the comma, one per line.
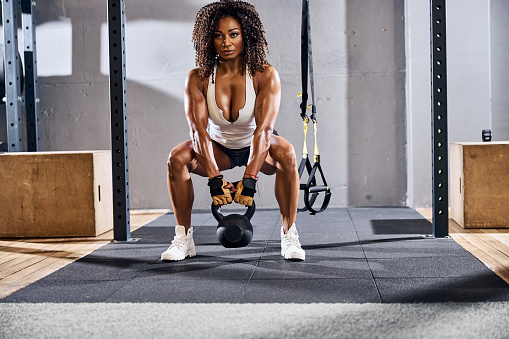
(305,125)
(317,154)
(305,148)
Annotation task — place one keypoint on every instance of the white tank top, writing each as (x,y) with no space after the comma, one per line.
(237,134)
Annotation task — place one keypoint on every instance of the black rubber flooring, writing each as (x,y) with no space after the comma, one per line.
(353,255)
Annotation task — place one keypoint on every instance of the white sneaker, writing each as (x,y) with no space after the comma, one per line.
(182,245)
(290,245)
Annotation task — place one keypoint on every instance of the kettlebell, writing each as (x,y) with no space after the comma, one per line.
(234,230)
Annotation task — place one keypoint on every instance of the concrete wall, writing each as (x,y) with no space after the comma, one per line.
(468,76)
(376,103)
(499,26)
(359,51)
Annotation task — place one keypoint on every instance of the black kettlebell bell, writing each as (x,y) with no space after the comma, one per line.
(234,230)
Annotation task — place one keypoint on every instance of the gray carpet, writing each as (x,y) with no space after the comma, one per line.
(156,320)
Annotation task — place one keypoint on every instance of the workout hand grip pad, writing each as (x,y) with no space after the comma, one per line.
(220,195)
(245,191)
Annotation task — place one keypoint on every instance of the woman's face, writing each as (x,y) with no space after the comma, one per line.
(228,38)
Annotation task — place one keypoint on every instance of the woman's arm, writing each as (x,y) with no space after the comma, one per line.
(266,110)
(197,118)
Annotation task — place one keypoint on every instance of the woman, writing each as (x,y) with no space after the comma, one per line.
(236,93)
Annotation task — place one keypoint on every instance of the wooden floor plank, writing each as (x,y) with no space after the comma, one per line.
(24,261)
(5,247)
(490,248)
(143,217)
(29,262)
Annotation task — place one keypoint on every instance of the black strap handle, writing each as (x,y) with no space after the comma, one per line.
(311,190)
(306,58)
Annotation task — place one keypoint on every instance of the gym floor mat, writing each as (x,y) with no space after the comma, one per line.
(353,255)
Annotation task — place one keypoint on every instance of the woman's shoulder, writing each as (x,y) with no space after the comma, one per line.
(268,72)
(194,75)
(194,79)
(268,77)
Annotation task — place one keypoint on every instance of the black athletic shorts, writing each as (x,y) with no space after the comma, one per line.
(238,157)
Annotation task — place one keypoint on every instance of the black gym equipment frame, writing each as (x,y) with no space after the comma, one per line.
(439,151)
(31,79)
(440,159)
(118,122)
(13,76)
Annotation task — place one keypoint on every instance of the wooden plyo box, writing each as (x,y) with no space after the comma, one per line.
(479,174)
(55,194)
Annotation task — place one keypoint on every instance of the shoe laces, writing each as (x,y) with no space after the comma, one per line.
(178,242)
(292,239)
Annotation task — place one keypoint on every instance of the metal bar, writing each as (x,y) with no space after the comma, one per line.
(12,75)
(31,79)
(439,120)
(118,111)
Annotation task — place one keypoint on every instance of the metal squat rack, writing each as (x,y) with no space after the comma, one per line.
(13,78)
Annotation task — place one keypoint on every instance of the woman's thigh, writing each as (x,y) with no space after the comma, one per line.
(186,153)
(280,151)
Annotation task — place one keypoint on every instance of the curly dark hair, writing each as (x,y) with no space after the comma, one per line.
(255,45)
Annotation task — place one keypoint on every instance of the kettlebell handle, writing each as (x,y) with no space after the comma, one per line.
(249,213)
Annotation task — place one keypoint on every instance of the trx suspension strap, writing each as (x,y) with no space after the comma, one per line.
(311,189)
